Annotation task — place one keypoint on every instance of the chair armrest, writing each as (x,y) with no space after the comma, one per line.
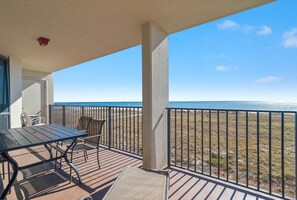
(88,137)
(37,119)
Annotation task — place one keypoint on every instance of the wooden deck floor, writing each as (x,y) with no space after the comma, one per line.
(42,182)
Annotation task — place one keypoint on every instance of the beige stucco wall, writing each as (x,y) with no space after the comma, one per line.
(155,96)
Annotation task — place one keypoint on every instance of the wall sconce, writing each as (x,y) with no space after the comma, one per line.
(43,41)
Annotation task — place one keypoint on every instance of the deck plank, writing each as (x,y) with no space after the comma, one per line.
(96,182)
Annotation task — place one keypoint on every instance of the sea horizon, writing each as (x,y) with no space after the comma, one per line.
(240,105)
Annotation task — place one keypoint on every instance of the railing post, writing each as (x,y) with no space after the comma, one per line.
(82,111)
(295,143)
(169,137)
(63,116)
(109,127)
(50,114)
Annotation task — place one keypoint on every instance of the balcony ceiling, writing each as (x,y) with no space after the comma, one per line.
(82,30)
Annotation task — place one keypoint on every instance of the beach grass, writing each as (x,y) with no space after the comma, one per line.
(215,133)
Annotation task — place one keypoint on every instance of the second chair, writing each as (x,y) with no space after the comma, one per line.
(91,142)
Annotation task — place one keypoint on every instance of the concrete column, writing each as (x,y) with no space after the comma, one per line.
(154,96)
(15,69)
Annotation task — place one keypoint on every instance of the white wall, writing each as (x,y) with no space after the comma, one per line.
(19,80)
(37,92)
(15,92)
(33,96)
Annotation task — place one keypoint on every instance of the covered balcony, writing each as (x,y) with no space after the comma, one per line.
(215,154)
(210,153)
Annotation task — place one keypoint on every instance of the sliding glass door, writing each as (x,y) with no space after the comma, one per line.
(4,93)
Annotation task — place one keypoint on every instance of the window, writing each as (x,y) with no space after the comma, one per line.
(4,93)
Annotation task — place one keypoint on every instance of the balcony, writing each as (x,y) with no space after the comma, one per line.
(227,154)
(44,183)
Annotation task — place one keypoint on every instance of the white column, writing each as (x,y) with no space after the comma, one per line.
(15,69)
(154,96)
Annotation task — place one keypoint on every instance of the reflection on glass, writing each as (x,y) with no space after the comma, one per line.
(4,94)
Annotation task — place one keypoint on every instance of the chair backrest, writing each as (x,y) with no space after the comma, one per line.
(95,129)
(26,120)
(83,123)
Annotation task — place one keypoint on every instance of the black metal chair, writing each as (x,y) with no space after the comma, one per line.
(91,142)
(83,123)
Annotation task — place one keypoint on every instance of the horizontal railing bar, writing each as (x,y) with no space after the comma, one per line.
(234,110)
(95,106)
(179,108)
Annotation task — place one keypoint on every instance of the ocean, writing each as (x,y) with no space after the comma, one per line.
(239,105)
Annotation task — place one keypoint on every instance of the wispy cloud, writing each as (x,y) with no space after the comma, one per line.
(246,28)
(269,79)
(221,68)
(228,24)
(290,38)
(231,25)
(266,30)
(222,55)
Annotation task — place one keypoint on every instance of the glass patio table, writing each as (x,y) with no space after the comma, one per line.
(20,138)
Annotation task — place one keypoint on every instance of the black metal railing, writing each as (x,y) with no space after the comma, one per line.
(251,148)
(254,149)
(122,129)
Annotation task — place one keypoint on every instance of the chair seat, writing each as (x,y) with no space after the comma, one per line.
(78,147)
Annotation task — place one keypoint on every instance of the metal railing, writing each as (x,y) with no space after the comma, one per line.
(251,148)
(254,149)
(122,129)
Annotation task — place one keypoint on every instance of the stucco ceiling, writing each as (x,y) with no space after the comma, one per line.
(82,30)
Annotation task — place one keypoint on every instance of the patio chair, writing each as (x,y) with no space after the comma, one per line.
(83,123)
(34,120)
(91,142)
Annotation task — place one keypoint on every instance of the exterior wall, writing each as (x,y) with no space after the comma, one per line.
(15,92)
(155,96)
(18,87)
(37,91)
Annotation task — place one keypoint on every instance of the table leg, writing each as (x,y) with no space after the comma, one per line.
(49,150)
(70,163)
(14,175)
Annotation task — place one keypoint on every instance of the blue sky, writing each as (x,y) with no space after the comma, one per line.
(248,56)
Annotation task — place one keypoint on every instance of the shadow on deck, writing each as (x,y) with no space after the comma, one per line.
(42,182)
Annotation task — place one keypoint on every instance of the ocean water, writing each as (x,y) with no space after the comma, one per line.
(239,105)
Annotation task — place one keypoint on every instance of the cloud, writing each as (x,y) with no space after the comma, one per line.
(269,79)
(231,25)
(228,24)
(222,55)
(290,38)
(221,68)
(265,31)
(246,28)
